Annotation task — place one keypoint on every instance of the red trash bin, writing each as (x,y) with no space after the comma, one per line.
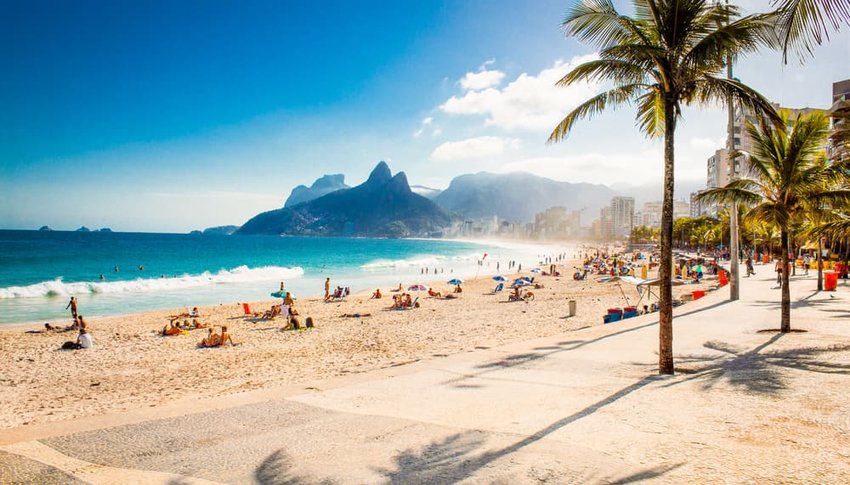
(830,280)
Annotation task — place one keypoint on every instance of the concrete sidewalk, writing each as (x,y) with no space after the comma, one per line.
(586,407)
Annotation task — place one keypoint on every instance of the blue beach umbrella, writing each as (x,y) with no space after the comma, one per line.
(500,278)
(455,281)
(536,270)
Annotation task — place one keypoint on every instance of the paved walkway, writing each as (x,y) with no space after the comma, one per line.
(585,407)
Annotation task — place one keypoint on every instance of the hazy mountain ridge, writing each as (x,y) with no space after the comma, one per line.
(517,196)
(322,186)
(382,206)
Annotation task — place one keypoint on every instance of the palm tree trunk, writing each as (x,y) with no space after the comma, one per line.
(820,265)
(786,290)
(665,270)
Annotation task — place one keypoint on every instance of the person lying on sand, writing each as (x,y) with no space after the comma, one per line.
(197,324)
(171,328)
(271,313)
(211,340)
(376,295)
(435,294)
(399,289)
(356,315)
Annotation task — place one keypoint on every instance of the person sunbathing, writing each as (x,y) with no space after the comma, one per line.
(225,337)
(171,328)
(407,301)
(356,315)
(212,340)
(271,313)
(458,289)
(377,294)
(288,300)
(435,294)
(197,324)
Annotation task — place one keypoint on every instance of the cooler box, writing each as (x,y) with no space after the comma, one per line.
(765,258)
(611,317)
(612,311)
(629,314)
(830,280)
(723,278)
(698,294)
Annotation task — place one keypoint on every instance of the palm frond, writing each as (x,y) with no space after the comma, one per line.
(650,113)
(613,97)
(710,89)
(597,22)
(803,24)
(621,72)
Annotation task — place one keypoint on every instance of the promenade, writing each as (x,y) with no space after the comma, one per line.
(747,405)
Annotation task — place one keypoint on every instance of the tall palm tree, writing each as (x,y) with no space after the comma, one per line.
(788,174)
(669,54)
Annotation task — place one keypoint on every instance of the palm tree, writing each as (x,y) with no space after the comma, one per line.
(789,171)
(802,24)
(669,54)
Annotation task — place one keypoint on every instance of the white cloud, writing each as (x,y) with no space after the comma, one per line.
(418,133)
(476,81)
(482,146)
(530,102)
(437,132)
(707,144)
(428,120)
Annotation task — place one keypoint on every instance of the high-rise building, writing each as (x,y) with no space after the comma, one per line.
(840,94)
(622,215)
(718,169)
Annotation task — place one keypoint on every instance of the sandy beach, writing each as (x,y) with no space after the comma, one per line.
(133,366)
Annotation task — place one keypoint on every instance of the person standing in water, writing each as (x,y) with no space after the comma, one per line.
(73,306)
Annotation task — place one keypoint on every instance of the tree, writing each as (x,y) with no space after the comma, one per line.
(669,54)
(789,171)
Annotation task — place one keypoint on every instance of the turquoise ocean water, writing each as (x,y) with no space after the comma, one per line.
(40,270)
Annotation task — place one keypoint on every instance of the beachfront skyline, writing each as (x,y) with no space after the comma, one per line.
(169,117)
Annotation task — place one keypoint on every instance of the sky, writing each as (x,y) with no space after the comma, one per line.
(165,116)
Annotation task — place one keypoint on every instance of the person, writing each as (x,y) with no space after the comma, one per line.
(516,296)
(172,328)
(194,313)
(212,340)
(288,300)
(116,268)
(750,270)
(779,272)
(141,267)
(225,337)
(327,289)
(84,339)
(458,289)
(101,277)
(433,293)
(72,304)
(806,260)
(377,294)
(407,302)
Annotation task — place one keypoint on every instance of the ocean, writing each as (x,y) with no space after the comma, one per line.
(120,273)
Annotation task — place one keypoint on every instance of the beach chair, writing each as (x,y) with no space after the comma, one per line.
(247,309)
(499,287)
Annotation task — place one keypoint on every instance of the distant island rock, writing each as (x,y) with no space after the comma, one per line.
(517,196)
(196,232)
(83,229)
(45,228)
(220,230)
(104,229)
(322,186)
(382,206)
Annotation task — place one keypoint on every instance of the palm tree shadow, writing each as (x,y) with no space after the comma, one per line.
(453,459)
(757,370)
(276,470)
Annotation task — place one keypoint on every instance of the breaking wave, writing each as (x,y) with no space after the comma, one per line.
(239,274)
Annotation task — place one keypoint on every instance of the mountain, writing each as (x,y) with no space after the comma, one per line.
(322,186)
(220,230)
(518,196)
(83,229)
(382,206)
(45,228)
(104,229)
(425,191)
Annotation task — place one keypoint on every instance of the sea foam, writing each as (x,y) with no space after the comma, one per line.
(239,274)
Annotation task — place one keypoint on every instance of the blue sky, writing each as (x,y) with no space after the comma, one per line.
(171,116)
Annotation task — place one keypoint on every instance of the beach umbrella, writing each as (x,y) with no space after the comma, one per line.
(417,288)
(521,282)
(500,278)
(455,281)
(536,270)
(278,294)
